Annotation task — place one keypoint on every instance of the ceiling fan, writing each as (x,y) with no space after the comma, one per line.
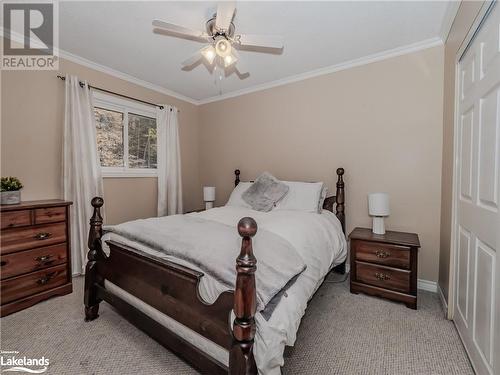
(222,41)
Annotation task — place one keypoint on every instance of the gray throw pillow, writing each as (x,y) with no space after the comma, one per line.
(265,192)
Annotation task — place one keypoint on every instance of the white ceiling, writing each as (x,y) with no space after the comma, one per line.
(119,35)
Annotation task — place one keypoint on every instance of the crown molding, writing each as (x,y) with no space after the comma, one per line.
(126,77)
(403,50)
(16,37)
(448,19)
(410,48)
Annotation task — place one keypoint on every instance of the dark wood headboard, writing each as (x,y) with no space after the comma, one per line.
(337,200)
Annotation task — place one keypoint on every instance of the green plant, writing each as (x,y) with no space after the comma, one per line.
(11,184)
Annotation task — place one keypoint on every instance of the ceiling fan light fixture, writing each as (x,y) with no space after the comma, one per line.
(229,60)
(209,54)
(223,47)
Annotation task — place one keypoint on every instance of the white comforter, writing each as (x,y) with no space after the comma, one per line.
(319,240)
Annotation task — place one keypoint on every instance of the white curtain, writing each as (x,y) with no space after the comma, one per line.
(81,166)
(169,162)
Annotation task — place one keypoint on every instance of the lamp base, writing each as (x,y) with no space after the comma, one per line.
(209,205)
(378,226)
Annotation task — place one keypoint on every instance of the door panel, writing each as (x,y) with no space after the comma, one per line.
(466,156)
(477,301)
(463,274)
(485,300)
(488,150)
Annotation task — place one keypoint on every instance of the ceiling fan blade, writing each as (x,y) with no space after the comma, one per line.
(192,59)
(180,30)
(241,68)
(265,41)
(225,13)
(240,64)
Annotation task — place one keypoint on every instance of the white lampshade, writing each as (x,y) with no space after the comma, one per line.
(378,204)
(209,54)
(209,193)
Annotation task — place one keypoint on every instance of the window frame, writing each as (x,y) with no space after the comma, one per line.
(125,106)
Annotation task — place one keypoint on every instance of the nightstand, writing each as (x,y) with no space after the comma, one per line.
(385,265)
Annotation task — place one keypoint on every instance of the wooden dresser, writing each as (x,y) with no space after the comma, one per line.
(34,253)
(385,265)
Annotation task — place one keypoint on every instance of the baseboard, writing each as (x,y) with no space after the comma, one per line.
(443,299)
(430,286)
(347,267)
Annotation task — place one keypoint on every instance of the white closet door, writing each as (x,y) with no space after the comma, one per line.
(477,274)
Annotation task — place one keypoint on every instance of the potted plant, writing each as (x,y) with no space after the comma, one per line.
(11,190)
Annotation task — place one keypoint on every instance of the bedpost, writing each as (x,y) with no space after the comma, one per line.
(241,358)
(340,198)
(91,300)
(237,179)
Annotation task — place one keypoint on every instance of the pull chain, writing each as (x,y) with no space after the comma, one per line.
(218,75)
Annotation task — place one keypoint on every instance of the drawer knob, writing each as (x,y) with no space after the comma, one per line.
(46,278)
(382,253)
(43,235)
(382,276)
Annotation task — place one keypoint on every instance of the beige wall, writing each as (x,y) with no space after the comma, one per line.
(465,17)
(382,122)
(32,123)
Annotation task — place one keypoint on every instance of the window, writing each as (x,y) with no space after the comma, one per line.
(126,137)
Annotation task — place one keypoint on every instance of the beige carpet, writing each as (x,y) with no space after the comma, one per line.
(340,334)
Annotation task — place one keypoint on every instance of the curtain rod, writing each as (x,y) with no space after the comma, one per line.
(115,93)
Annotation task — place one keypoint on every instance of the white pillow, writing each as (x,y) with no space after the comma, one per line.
(235,199)
(302,196)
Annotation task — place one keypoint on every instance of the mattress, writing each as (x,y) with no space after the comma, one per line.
(319,240)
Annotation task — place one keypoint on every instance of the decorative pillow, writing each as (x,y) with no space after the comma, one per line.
(322,197)
(265,192)
(302,196)
(235,199)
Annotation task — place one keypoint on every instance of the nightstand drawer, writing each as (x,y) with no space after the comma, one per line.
(384,277)
(382,253)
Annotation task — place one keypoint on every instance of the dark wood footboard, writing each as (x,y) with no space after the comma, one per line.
(173,290)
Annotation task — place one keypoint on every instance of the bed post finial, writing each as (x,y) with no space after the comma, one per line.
(237,179)
(95,224)
(241,358)
(340,198)
(91,301)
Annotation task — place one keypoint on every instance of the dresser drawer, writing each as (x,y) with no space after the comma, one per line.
(18,239)
(14,219)
(50,215)
(22,286)
(384,277)
(32,260)
(382,253)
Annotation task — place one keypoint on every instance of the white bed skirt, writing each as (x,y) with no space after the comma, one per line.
(194,338)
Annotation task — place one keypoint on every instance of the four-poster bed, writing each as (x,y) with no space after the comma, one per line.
(173,290)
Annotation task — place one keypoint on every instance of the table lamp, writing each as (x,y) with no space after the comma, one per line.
(209,196)
(378,207)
